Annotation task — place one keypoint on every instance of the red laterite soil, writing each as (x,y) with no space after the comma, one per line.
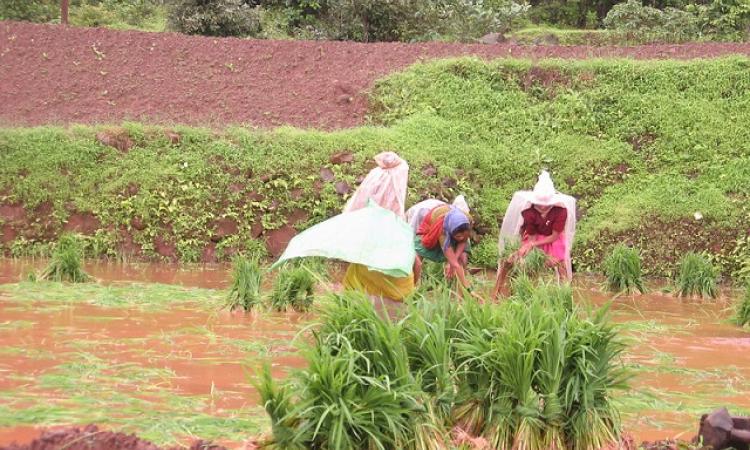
(52,74)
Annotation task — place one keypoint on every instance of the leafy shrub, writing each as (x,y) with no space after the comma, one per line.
(622,267)
(697,276)
(646,23)
(31,10)
(246,284)
(65,264)
(742,314)
(293,289)
(213,17)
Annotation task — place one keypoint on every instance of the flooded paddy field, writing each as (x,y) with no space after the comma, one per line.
(148,349)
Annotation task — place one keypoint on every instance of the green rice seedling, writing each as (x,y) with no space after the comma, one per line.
(357,391)
(623,270)
(533,264)
(293,289)
(428,331)
(433,276)
(697,276)
(246,284)
(742,314)
(65,264)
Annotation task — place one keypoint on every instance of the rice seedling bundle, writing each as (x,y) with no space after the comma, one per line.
(65,264)
(357,392)
(246,284)
(697,276)
(293,289)
(623,270)
(533,373)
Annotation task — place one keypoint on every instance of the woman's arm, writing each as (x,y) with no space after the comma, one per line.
(545,240)
(452,257)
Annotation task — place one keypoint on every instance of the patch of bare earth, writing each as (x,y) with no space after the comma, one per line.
(54,74)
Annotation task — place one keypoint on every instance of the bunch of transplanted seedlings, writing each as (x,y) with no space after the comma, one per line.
(65,264)
(622,268)
(697,277)
(534,372)
(245,292)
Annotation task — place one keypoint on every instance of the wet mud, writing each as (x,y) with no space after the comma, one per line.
(687,358)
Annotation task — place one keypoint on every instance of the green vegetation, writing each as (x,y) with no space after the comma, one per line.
(247,276)
(567,22)
(697,276)
(642,145)
(623,270)
(742,313)
(531,373)
(147,15)
(293,289)
(65,264)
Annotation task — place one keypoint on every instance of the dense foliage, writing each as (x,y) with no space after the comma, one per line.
(644,146)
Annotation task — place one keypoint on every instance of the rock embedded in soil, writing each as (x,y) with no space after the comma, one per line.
(341,158)
(326,174)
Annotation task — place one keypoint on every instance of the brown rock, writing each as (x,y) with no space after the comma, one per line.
(341,158)
(209,253)
(84,223)
(492,38)
(326,174)
(342,187)
(7,234)
(224,227)
(429,170)
(172,136)
(12,213)
(256,230)
(277,240)
(137,223)
(117,138)
(164,248)
(297,216)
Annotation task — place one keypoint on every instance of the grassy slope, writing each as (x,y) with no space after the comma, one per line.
(643,145)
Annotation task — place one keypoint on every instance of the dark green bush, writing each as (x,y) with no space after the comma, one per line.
(214,17)
(31,10)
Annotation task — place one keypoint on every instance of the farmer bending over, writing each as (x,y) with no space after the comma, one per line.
(442,237)
(542,218)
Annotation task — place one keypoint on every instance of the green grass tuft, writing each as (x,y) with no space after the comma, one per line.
(622,268)
(65,264)
(697,276)
(245,292)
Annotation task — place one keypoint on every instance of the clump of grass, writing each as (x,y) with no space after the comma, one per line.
(65,264)
(697,276)
(245,292)
(357,391)
(623,270)
(293,289)
(742,314)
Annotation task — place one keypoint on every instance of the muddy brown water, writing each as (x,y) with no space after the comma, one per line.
(687,355)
